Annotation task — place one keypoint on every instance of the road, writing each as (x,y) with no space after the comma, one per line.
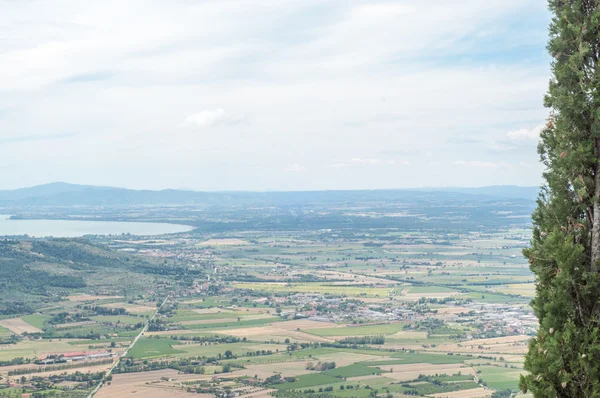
(124,354)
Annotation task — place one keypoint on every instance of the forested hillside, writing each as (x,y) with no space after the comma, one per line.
(34,272)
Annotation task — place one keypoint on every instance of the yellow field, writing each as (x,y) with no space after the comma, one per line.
(149,385)
(87,297)
(272,332)
(317,288)
(412,371)
(502,345)
(223,242)
(19,326)
(133,308)
(524,289)
(474,393)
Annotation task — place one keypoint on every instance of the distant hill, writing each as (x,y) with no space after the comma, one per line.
(497,191)
(45,190)
(64,194)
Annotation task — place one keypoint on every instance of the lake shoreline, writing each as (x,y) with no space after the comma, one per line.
(19,226)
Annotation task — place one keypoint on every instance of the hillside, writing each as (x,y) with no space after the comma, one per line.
(63,194)
(43,271)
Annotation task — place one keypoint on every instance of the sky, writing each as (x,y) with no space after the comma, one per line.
(272,94)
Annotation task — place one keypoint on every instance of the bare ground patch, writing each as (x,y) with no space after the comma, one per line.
(286,369)
(363,378)
(407,334)
(271,332)
(214,311)
(73,324)
(347,358)
(474,393)
(418,296)
(306,324)
(224,242)
(87,297)
(504,345)
(412,371)
(207,321)
(19,326)
(500,340)
(133,308)
(149,384)
(452,310)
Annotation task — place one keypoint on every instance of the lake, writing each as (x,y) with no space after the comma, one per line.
(73,228)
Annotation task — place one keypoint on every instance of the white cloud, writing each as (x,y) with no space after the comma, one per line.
(207,118)
(525,134)
(338,165)
(363,161)
(295,168)
(475,164)
(356,162)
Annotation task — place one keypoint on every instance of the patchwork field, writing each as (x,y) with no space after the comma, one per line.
(19,326)
(148,384)
(340,313)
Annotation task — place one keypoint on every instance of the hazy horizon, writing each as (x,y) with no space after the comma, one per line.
(355,189)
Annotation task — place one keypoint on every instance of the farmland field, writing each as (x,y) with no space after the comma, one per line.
(358,330)
(35,320)
(393,306)
(148,348)
(19,326)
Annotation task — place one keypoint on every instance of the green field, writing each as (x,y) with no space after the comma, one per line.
(354,370)
(486,297)
(455,378)
(31,349)
(367,330)
(237,349)
(406,358)
(499,378)
(427,388)
(124,319)
(4,332)
(307,380)
(233,324)
(355,291)
(151,348)
(430,289)
(36,320)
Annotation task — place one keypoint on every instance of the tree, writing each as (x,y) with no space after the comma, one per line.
(564,358)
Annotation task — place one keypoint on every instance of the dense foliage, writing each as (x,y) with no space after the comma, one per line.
(40,271)
(363,340)
(17,276)
(563,359)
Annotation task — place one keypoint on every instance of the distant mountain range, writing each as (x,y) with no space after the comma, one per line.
(64,194)
(497,191)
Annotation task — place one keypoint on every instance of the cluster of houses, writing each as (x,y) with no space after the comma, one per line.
(504,319)
(75,357)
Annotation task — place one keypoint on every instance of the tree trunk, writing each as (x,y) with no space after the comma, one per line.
(596,216)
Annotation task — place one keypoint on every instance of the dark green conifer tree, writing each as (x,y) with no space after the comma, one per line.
(564,358)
